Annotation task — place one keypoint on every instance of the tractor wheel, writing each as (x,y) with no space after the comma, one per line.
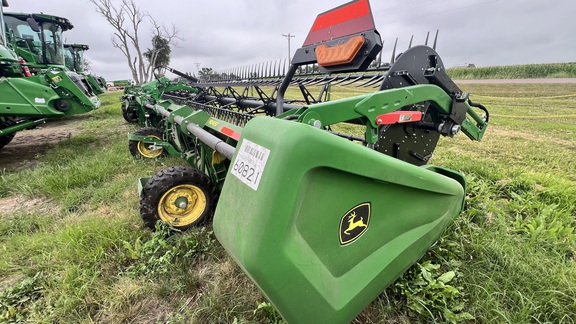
(5,139)
(140,149)
(130,115)
(181,196)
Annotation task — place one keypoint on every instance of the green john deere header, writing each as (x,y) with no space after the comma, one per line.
(322,221)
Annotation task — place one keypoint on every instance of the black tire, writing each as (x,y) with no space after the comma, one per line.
(130,114)
(5,139)
(191,189)
(141,150)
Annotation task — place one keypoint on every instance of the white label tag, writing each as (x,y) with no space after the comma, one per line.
(250,163)
(39,100)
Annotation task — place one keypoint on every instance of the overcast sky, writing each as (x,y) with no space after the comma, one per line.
(223,34)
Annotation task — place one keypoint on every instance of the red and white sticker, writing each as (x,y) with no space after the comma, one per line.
(250,163)
(399,117)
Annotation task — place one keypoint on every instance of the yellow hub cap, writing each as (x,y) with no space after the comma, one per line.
(143,149)
(182,205)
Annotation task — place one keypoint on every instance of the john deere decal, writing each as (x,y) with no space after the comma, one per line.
(354,223)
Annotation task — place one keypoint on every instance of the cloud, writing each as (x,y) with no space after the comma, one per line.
(223,34)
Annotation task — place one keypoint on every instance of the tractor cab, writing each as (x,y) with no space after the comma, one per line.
(9,65)
(2,38)
(37,38)
(74,56)
(74,60)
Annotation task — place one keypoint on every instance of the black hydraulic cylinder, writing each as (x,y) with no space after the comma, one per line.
(181,74)
(280,106)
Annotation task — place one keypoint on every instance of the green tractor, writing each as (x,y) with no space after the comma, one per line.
(33,93)
(74,60)
(37,39)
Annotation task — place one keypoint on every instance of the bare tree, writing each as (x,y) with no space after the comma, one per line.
(87,64)
(126,18)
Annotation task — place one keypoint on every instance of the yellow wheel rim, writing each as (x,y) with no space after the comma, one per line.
(182,205)
(143,149)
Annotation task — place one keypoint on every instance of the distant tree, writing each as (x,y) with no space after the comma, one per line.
(126,18)
(206,73)
(159,55)
(87,65)
(315,67)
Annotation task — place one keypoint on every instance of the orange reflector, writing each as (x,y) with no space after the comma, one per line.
(230,132)
(399,117)
(339,54)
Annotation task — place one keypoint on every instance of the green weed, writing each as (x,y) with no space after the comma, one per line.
(269,312)
(157,255)
(428,293)
(15,300)
(542,221)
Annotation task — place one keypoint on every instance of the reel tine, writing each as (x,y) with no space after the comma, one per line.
(375,77)
(375,81)
(394,52)
(342,80)
(379,61)
(315,81)
(353,81)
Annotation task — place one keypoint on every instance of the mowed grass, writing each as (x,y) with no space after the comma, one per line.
(520,251)
(73,248)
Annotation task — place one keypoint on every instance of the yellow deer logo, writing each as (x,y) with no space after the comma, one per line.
(358,219)
(354,224)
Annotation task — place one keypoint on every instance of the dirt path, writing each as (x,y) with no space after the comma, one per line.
(21,153)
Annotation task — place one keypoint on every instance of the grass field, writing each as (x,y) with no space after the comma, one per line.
(552,70)
(74,250)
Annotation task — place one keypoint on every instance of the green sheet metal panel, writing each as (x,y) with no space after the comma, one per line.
(322,224)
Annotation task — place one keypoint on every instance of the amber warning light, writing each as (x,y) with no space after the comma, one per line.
(339,54)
